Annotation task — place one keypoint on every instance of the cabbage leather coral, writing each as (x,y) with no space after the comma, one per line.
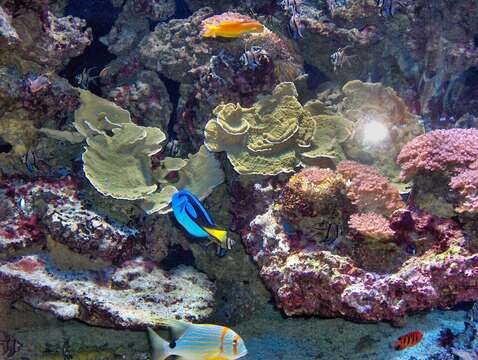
(116,144)
(229,25)
(272,136)
(200,174)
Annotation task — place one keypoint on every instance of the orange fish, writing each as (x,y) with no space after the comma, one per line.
(408,340)
(230,25)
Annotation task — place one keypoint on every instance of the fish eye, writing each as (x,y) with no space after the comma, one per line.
(234,342)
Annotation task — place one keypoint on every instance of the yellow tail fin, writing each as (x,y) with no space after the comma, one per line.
(218,234)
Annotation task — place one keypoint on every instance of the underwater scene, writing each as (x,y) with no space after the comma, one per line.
(238,179)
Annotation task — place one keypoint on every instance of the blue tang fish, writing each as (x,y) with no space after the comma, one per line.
(196,221)
(196,342)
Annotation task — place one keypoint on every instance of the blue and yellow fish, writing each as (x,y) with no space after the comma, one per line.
(194,218)
(196,342)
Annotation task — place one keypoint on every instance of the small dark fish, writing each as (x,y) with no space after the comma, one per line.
(411,249)
(9,346)
(386,7)
(408,340)
(291,6)
(85,79)
(252,58)
(296,27)
(473,313)
(30,161)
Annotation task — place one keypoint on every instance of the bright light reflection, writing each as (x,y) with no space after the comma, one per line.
(374,133)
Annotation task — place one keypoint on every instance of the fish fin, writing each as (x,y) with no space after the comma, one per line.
(229,22)
(159,346)
(176,328)
(218,234)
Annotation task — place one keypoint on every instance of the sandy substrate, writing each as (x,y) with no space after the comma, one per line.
(270,336)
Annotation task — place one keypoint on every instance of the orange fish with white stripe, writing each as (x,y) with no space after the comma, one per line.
(195,342)
(408,340)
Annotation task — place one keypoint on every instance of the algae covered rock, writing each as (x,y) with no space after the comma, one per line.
(276,134)
(135,295)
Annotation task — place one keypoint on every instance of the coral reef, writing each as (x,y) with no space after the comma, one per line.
(135,295)
(368,272)
(113,140)
(344,205)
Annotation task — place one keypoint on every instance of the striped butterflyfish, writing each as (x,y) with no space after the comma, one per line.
(195,341)
(196,221)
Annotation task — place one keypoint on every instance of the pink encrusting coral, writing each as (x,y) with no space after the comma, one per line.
(441,151)
(450,155)
(371,226)
(368,189)
(466,183)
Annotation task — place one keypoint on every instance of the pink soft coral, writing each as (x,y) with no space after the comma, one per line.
(439,150)
(368,189)
(466,183)
(371,226)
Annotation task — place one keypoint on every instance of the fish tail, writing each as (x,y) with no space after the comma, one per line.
(218,234)
(159,346)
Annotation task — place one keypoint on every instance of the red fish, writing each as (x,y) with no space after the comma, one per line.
(408,340)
